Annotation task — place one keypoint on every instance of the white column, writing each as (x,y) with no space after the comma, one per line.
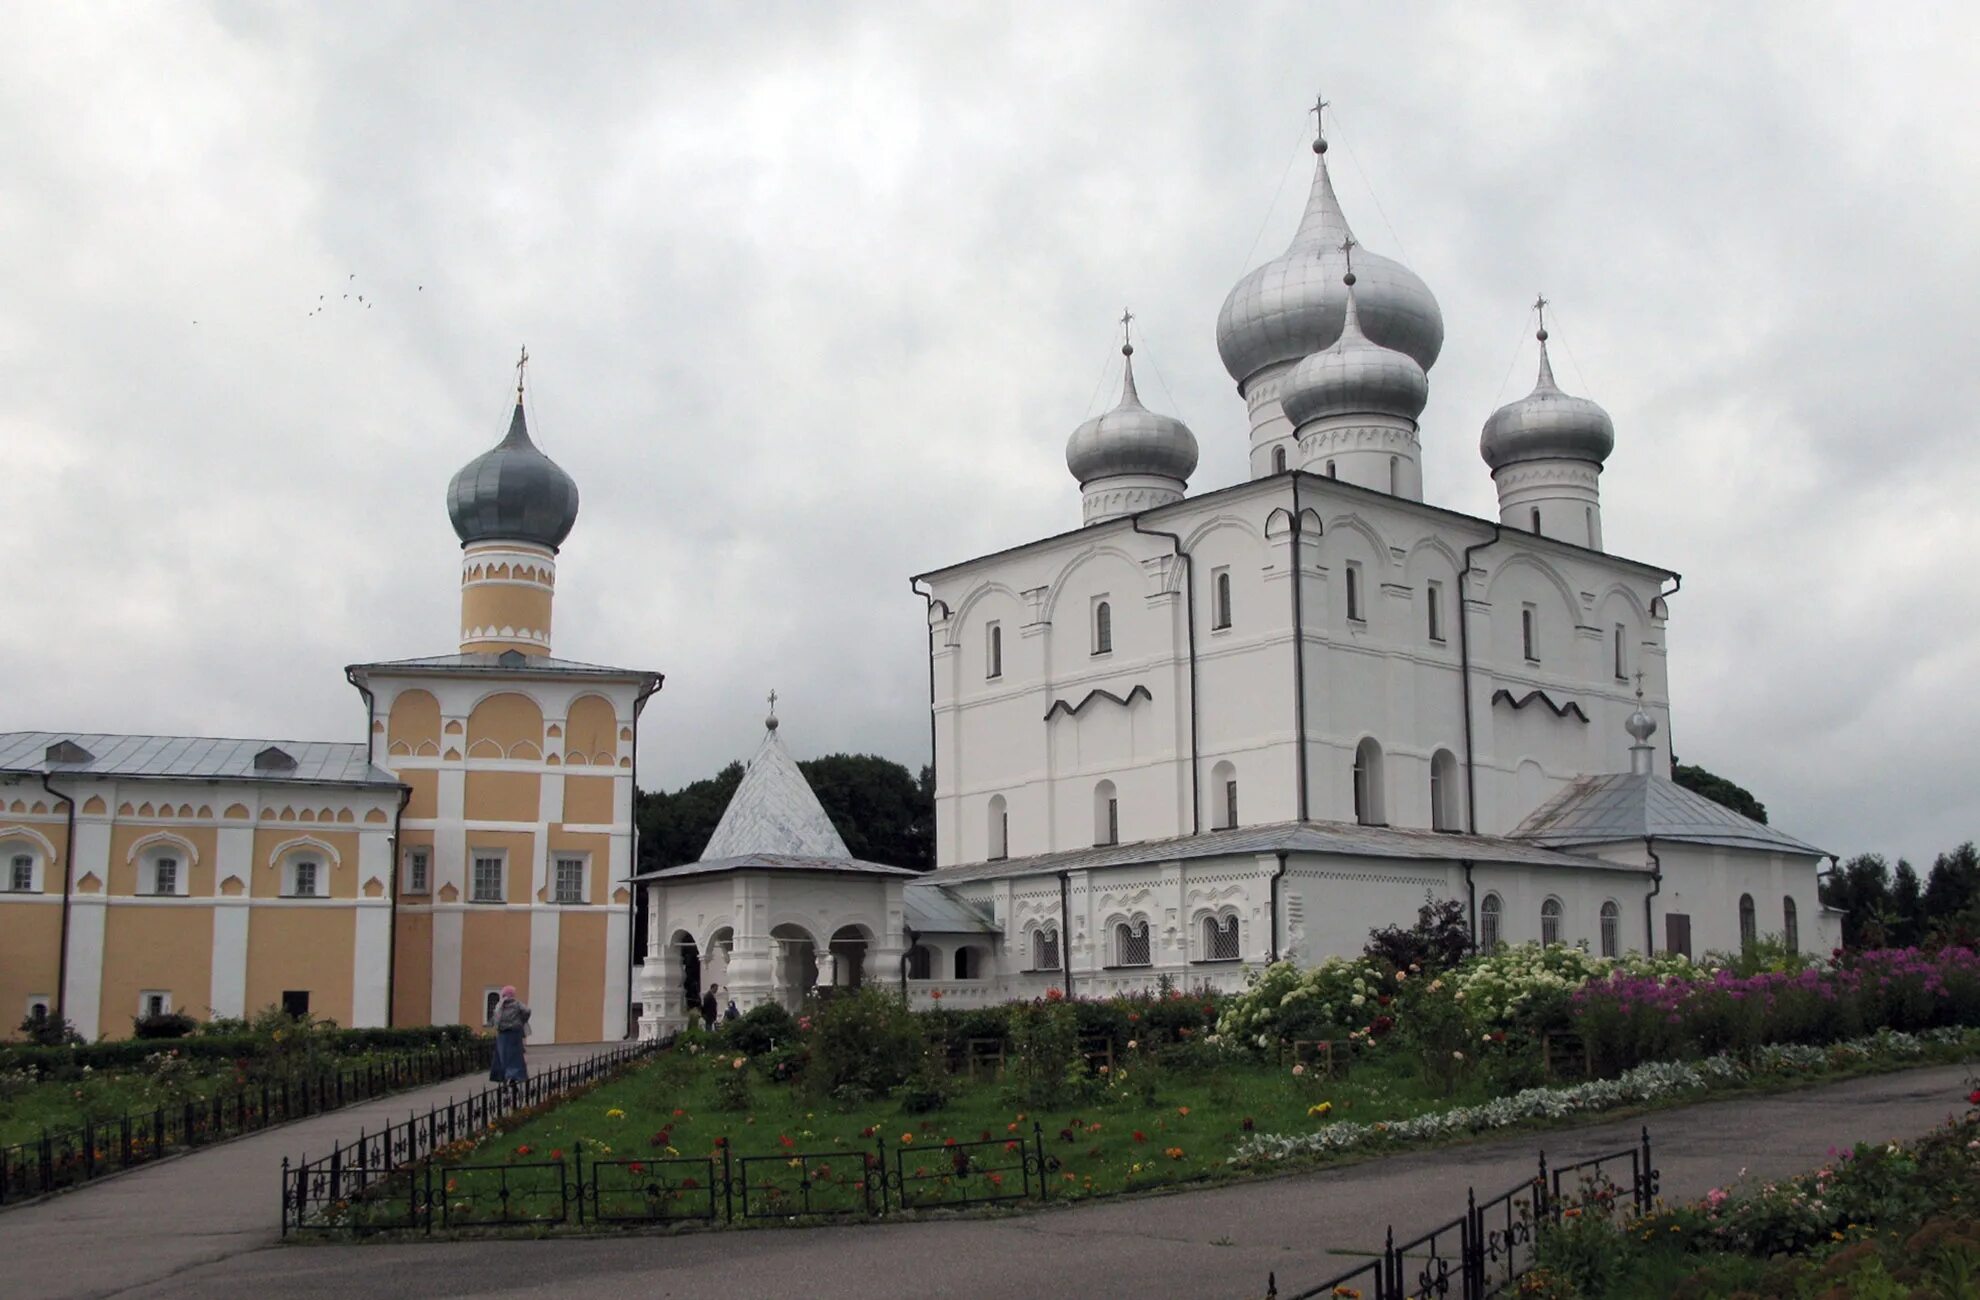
(543,933)
(230,949)
(370,959)
(448,924)
(82,995)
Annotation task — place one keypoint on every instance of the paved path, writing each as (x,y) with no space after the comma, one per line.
(141,1228)
(204,1226)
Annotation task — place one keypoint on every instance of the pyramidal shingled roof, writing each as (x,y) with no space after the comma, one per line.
(1633,805)
(774,811)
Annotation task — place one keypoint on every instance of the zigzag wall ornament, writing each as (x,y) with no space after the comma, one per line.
(1559,710)
(1072,710)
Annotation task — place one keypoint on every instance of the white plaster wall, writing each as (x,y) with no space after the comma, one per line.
(230,954)
(82,995)
(371,955)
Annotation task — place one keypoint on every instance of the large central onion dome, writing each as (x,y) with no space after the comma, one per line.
(513,493)
(1131,440)
(1356,376)
(1547,424)
(1294,305)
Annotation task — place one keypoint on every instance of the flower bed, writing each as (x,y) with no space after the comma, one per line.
(1890,1220)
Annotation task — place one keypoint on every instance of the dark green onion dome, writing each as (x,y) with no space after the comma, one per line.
(513,493)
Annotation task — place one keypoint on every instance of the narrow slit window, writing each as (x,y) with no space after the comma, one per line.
(418,871)
(1622,656)
(1221,599)
(1536,522)
(993,651)
(1354,593)
(1103,628)
(1230,804)
(1529,638)
(1433,604)
(1278,460)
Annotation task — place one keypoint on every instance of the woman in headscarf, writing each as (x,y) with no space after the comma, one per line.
(511,1027)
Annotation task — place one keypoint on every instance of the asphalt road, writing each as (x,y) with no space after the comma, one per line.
(141,1235)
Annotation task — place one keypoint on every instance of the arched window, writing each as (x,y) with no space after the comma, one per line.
(1611,929)
(1550,921)
(920,962)
(1330,469)
(1131,944)
(1489,910)
(1622,656)
(1354,593)
(1220,601)
(162,870)
(1278,460)
(993,650)
(1223,796)
(1220,939)
(1045,948)
(1106,814)
(1790,925)
(1368,802)
(998,829)
(1749,931)
(1103,628)
(1444,814)
(968,964)
(1395,477)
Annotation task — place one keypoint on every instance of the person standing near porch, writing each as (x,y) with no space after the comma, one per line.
(709,1007)
(511,1027)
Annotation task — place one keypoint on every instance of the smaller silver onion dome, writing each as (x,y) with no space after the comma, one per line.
(1131,439)
(513,493)
(1641,726)
(1547,424)
(1356,376)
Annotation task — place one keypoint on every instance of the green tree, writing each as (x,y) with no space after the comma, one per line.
(1861,890)
(1907,907)
(1720,791)
(881,811)
(1954,883)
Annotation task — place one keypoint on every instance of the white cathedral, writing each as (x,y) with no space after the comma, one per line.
(1205,732)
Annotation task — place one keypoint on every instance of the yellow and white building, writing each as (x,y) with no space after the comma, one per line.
(480,834)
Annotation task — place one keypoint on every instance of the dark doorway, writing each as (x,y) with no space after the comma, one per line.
(1677,933)
(295,1002)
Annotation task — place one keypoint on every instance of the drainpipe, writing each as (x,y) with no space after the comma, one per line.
(1670,737)
(370,708)
(1464,675)
(934,768)
(68,888)
(648,691)
(1278,874)
(1065,931)
(392,925)
(1471,895)
(1656,887)
(1189,610)
(1299,657)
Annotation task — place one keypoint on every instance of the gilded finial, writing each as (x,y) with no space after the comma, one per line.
(771,722)
(1319,111)
(1127,344)
(1540,307)
(1347,252)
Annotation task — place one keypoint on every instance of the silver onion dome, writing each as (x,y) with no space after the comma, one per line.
(1356,376)
(1293,305)
(1641,726)
(1547,424)
(513,493)
(1131,439)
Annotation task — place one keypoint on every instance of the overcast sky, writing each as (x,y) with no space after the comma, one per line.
(814,294)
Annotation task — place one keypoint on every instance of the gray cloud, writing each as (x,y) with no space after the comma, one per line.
(815,297)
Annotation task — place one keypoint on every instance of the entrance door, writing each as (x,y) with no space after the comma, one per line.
(1677,933)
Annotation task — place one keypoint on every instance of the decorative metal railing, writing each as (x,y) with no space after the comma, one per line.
(1485,1251)
(402,1180)
(59,1160)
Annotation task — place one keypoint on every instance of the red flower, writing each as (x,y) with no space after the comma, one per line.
(866,1132)
(1054,995)
(1139,1136)
(1973,1098)
(936,994)
(689,1183)
(1066,1135)
(1011,1146)
(678,1112)
(556,1153)
(636,1167)
(1248,1125)
(784,1141)
(948,1142)
(721,1142)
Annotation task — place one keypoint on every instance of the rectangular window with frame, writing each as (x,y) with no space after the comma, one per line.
(1220,599)
(993,651)
(1622,655)
(1113,821)
(154,1002)
(570,880)
(486,886)
(1131,945)
(20,874)
(1354,593)
(419,871)
(1529,634)
(1433,605)
(1103,626)
(1220,939)
(305,878)
(165,876)
(1230,805)
(1045,949)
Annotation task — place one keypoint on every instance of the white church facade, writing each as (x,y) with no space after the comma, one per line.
(1204,732)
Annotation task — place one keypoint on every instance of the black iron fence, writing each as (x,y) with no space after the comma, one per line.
(1483,1252)
(403,1181)
(57,1160)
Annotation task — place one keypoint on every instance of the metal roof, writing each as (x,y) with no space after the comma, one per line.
(775,862)
(931,909)
(1341,838)
(1635,805)
(317,762)
(506,664)
(774,811)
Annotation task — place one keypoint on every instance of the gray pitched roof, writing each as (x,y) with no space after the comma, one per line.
(317,762)
(932,909)
(1293,837)
(1634,805)
(775,862)
(504,665)
(774,811)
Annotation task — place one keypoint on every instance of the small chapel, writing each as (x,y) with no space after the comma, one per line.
(1202,732)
